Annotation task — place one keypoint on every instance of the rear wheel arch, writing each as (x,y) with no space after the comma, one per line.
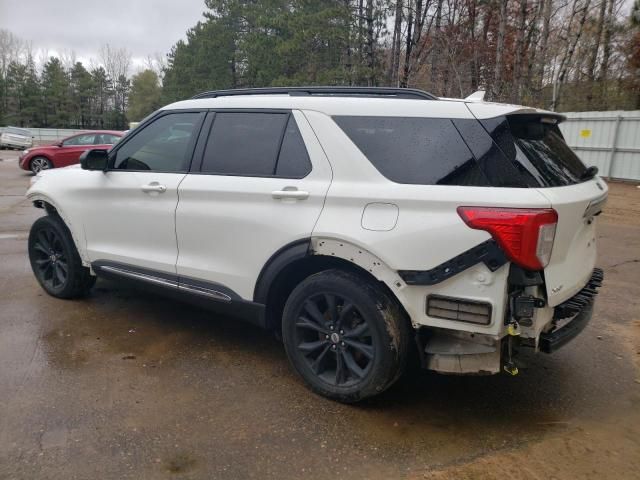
(299,260)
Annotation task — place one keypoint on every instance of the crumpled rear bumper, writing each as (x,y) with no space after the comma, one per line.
(580,307)
(551,341)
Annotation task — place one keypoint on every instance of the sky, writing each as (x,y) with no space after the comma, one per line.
(143,27)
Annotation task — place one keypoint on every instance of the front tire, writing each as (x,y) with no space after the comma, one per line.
(40,163)
(55,260)
(345,336)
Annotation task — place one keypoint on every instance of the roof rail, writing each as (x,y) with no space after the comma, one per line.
(410,93)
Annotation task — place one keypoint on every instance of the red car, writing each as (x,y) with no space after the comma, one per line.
(66,151)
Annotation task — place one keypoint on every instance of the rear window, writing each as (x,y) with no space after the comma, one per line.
(424,151)
(542,151)
(536,148)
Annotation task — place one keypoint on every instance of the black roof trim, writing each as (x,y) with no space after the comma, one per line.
(407,93)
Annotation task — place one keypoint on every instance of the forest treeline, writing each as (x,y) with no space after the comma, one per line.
(566,55)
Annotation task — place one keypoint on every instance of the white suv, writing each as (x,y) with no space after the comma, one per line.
(355,222)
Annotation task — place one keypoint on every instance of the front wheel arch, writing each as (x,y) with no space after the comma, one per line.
(40,200)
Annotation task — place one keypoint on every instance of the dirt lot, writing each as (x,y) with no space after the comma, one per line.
(126,385)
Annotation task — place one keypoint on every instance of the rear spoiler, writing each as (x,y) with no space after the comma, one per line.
(543,116)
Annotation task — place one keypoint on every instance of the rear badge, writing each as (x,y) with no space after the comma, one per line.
(556,289)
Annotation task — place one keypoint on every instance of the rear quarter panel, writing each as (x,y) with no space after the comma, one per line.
(428,231)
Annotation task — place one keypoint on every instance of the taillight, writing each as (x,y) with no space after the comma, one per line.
(525,234)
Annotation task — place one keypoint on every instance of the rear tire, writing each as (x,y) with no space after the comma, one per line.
(38,164)
(55,260)
(345,336)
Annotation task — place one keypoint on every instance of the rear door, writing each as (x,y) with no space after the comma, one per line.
(258,183)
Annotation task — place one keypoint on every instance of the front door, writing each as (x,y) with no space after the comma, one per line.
(260,185)
(129,216)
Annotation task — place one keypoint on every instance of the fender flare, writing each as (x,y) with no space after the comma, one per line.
(277,263)
(329,247)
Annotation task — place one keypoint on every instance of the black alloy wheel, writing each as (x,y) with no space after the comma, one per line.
(55,260)
(51,263)
(335,339)
(345,335)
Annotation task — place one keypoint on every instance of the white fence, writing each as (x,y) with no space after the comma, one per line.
(608,140)
(49,135)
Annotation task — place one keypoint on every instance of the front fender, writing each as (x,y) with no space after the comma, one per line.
(53,208)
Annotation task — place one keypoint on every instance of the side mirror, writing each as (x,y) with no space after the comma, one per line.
(94,159)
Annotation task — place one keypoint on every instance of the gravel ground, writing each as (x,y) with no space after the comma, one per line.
(127,385)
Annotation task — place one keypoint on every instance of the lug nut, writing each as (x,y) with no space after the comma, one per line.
(326,337)
(333,346)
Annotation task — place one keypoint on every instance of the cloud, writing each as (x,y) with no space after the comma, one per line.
(143,27)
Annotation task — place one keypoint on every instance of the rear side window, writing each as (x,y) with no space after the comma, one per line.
(255,144)
(424,151)
(293,161)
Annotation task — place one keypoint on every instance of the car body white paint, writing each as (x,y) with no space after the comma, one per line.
(224,229)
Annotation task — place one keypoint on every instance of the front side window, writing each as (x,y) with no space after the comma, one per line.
(414,150)
(79,140)
(164,145)
(255,144)
(106,139)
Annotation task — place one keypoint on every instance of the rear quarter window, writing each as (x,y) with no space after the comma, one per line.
(410,150)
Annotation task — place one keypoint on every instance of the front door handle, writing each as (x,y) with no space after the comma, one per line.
(153,187)
(290,192)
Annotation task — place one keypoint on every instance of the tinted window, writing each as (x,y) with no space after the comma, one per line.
(164,145)
(494,164)
(293,161)
(537,150)
(244,143)
(543,153)
(424,151)
(79,140)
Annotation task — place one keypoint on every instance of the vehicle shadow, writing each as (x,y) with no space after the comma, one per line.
(548,394)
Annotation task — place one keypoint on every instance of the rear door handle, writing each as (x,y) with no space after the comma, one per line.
(290,192)
(153,187)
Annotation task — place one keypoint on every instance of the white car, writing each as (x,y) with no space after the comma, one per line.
(358,223)
(13,137)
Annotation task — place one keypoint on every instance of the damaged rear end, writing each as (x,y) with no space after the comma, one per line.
(553,279)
